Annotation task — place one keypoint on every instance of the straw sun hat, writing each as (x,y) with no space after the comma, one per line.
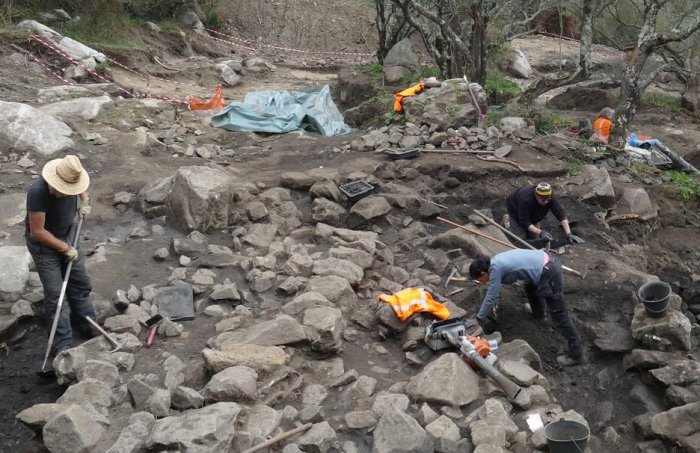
(66,175)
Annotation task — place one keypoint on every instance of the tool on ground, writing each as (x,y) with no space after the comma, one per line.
(455,278)
(278,438)
(54,325)
(152,325)
(467,337)
(501,152)
(117,345)
(498,241)
(481,122)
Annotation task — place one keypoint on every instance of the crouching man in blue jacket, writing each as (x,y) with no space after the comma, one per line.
(542,275)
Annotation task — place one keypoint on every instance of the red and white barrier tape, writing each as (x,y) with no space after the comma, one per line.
(290,49)
(100,76)
(49,70)
(233,43)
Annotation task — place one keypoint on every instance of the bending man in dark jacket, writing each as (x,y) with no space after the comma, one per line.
(544,287)
(527,207)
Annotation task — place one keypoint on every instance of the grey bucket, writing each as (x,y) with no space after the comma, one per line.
(654,296)
(566,436)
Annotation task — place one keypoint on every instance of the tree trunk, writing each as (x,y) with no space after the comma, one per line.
(392,27)
(478,66)
(630,91)
(584,59)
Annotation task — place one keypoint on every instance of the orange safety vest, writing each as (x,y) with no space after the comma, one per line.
(414,300)
(601,129)
(412,91)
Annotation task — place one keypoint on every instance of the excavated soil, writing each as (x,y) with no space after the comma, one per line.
(116,167)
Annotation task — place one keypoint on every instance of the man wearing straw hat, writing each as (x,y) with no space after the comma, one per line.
(52,203)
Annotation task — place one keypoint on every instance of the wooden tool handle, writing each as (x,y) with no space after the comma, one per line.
(104,333)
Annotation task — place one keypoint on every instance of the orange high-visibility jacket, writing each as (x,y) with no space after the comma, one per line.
(414,300)
(601,129)
(412,91)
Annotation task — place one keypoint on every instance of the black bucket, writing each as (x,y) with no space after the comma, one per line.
(566,436)
(654,296)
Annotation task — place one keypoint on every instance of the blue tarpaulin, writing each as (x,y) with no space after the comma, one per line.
(278,112)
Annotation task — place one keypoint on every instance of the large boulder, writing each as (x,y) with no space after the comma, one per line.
(635,201)
(24,128)
(208,429)
(232,384)
(593,185)
(72,431)
(199,199)
(398,432)
(276,332)
(260,358)
(401,61)
(86,108)
(518,64)
(14,272)
(668,332)
(449,105)
(76,50)
(680,425)
(459,384)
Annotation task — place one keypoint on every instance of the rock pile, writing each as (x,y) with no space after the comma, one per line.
(290,292)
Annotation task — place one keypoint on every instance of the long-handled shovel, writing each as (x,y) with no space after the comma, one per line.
(60,300)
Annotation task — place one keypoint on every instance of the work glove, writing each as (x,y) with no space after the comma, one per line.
(546,235)
(575,239)
(85,208)
(70,253)
(489,324)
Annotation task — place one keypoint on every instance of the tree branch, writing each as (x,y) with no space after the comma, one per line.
(644,83)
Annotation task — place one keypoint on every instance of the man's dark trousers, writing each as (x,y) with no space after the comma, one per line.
(51,266)
(549,293)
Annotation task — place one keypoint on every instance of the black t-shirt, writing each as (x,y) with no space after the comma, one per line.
(60,211)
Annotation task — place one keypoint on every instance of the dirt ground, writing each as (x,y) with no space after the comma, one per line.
(117,167)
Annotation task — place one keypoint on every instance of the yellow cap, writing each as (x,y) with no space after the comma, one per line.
(543,189)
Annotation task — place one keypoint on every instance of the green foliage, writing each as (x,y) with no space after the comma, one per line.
(371,68)
(571,172)
(499,87)
(547,121)
(685,185)
(430,71)
(108,29)
(394,118)
(425,72)
(665,102)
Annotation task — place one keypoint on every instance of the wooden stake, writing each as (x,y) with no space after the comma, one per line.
(279,437)
(442,206)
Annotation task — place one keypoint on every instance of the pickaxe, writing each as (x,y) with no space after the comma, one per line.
(110,338)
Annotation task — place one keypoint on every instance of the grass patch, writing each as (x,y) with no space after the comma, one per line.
(686,186)
(371,68)
(548,122)
(105,29)
(425,72)
(663,102)
(499,88)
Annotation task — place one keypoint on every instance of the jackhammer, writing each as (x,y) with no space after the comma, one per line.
(474,349)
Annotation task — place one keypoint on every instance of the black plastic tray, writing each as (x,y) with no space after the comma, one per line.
(356,189)
(402,153)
